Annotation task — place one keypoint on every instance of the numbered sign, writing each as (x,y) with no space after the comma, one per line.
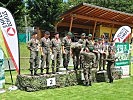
(51,82)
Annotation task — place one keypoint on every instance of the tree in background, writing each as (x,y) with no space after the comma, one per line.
(16,7)
(45,13)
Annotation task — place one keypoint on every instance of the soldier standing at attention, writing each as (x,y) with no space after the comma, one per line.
(83,42)
(111,63)
(89,60)
(33,46)
(66,50)
(56,51)
(45,45)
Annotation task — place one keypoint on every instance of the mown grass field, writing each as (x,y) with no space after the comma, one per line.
(121,89)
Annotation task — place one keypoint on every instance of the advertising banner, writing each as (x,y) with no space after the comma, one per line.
(122,34)
(2,71)
(122,55)
(9,32)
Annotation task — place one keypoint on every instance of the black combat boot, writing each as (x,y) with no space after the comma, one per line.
(90,83)
(35,72)
(53,72)
(31,71)
(47,71)
(57,69)
(41,71)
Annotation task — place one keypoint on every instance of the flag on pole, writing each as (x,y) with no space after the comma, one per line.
(122,34)
(10,36)
(2,44)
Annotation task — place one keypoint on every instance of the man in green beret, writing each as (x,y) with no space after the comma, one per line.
(66,50)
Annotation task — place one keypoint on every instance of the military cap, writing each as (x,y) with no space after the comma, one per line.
(47,32)
(56,33)
(96,40)
(83,34)
(91,48)
(90,35)
(99,39)
(69,33)
(33,33)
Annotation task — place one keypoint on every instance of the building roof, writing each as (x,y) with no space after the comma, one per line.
(85,15)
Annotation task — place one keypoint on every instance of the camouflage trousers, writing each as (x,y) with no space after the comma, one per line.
(110,66)
(57,59)
(75,60)
(66,59)
(97,59)
(81,61)
(45,58)
(102,62)
(87,74)
(34,60)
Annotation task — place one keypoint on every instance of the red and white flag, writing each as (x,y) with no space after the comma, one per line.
(9,31)
(122,34)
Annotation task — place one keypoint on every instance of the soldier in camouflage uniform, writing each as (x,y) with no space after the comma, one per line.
(89,41)
(45,45)
(56,51)
(33,46)
(101,49)
(111,61)
(83,42)
(89,60)
(97,53)
(76,48)
(66,50)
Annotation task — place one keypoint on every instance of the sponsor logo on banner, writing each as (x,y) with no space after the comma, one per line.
(122,34)
(9,31)
(122,55)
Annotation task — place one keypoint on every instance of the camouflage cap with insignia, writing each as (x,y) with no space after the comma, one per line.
(90,35)
(83,34)
(69,33)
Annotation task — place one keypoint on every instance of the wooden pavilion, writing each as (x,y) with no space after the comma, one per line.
(93,19)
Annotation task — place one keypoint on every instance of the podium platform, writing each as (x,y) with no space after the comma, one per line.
(41,82)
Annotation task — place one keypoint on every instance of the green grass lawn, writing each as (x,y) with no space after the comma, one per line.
(121,89)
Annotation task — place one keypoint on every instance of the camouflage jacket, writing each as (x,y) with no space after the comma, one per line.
(89,43)
(83,42)
(89,59)
(56,45)
(66,43)
(33,45)
(45,44)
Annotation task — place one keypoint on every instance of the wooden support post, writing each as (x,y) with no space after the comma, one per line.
(111,32)
(94,29)
(56,25)
(70,28)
